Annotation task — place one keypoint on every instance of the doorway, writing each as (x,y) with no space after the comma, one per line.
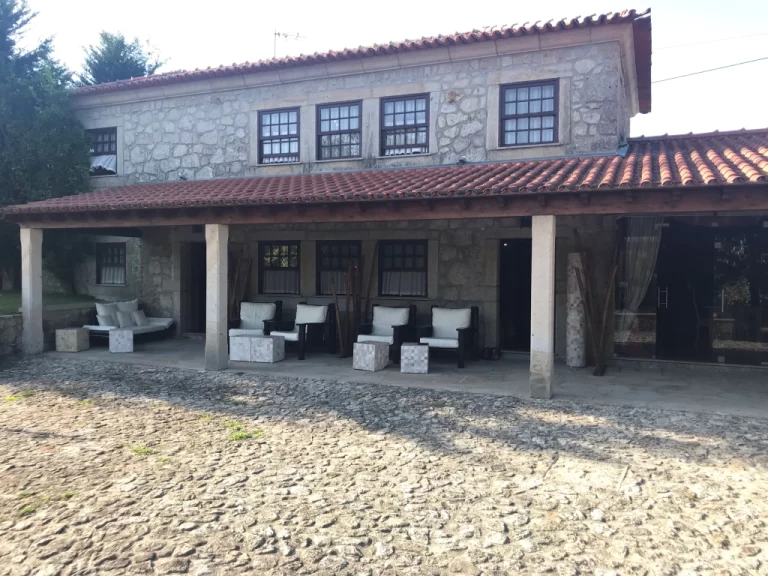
(515,294)
(195,323)
(684,275)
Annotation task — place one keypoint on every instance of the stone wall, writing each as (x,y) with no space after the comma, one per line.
(213,134)
(10,334)
(54,317)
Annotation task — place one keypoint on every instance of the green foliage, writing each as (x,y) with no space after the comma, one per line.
(238,436)
(141,450)
(115,58)
(43,149)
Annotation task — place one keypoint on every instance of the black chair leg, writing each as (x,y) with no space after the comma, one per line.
(302,341)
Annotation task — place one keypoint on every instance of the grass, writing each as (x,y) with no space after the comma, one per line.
(20,395)
(233,425)
(25,494)
(11,301)
(242,435)
(206,417)
(68,495)
(141,450)
(28,510)
(85,402)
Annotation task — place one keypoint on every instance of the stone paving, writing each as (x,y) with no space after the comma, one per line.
(114,469)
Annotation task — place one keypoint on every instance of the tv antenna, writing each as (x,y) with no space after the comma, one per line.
(286,36)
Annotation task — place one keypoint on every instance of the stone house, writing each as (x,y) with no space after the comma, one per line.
(455,169)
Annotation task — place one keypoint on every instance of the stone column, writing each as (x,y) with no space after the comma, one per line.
(542,306)
(32,290)
(575,330)
(216,292)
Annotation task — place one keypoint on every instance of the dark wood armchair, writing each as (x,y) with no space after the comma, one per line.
(455,329)
(313,324)
(391,325)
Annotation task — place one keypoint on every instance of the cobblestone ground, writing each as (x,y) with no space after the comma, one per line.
(112,469)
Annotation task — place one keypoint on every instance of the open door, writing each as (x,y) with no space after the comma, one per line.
(515,294)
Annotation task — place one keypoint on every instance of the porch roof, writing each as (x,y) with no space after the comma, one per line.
(714,160)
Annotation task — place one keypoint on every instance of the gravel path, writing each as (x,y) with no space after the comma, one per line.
(114,469)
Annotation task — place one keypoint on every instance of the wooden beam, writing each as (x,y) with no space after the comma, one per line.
(604,202)
(584,198)
(629,197)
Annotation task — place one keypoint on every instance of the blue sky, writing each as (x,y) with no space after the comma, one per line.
(196,35)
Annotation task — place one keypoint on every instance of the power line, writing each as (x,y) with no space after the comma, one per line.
(712,41)
(710,70)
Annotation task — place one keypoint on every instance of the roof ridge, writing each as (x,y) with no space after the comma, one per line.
(487,33)
(740,131)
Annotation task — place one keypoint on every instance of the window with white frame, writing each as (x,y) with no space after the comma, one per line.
(528,113)
(279,136)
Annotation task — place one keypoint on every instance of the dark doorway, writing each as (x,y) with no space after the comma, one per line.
(196,312)
(515,294)
(684,292)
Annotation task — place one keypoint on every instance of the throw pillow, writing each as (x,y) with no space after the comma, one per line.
(106,320)
(130,306)
(139,318)
(109,309)
(125,319)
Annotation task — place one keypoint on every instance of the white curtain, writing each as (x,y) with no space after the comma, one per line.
(339,279)
(404,284)
(642,249)
(107,162)
(112,275)
(280,282)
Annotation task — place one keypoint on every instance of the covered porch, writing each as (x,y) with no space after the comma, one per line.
(685,387)
(458,220)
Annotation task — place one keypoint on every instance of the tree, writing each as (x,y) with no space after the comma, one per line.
(44,151)
(114,58)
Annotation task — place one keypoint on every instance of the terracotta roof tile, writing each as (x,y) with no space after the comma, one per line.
(640,21)
(716,159)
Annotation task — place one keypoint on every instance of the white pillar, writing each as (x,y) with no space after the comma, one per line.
(32,290)
(542,306)
(216,260)
(575,329)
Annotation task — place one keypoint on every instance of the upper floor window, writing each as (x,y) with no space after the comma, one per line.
(528,113)
(338,131)
(334,258)
(103,151)
(405,125)
(110,263)
(279,136)
(279,271)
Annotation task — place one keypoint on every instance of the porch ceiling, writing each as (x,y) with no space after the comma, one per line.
(706,172)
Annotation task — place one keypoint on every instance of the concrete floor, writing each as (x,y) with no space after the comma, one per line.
(702,389)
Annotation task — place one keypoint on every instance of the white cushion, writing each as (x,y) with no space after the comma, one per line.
(376,338)
(106,309)
(163,323)
(153,325)
(440,342)
(130,306)
(446,321)
(139,318)
(289,336)
(308,314)
(125,319)
(245,332)
(253,314)
(384,318)
(106,319)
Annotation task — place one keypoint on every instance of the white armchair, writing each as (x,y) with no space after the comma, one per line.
(452,329)
(253,315)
